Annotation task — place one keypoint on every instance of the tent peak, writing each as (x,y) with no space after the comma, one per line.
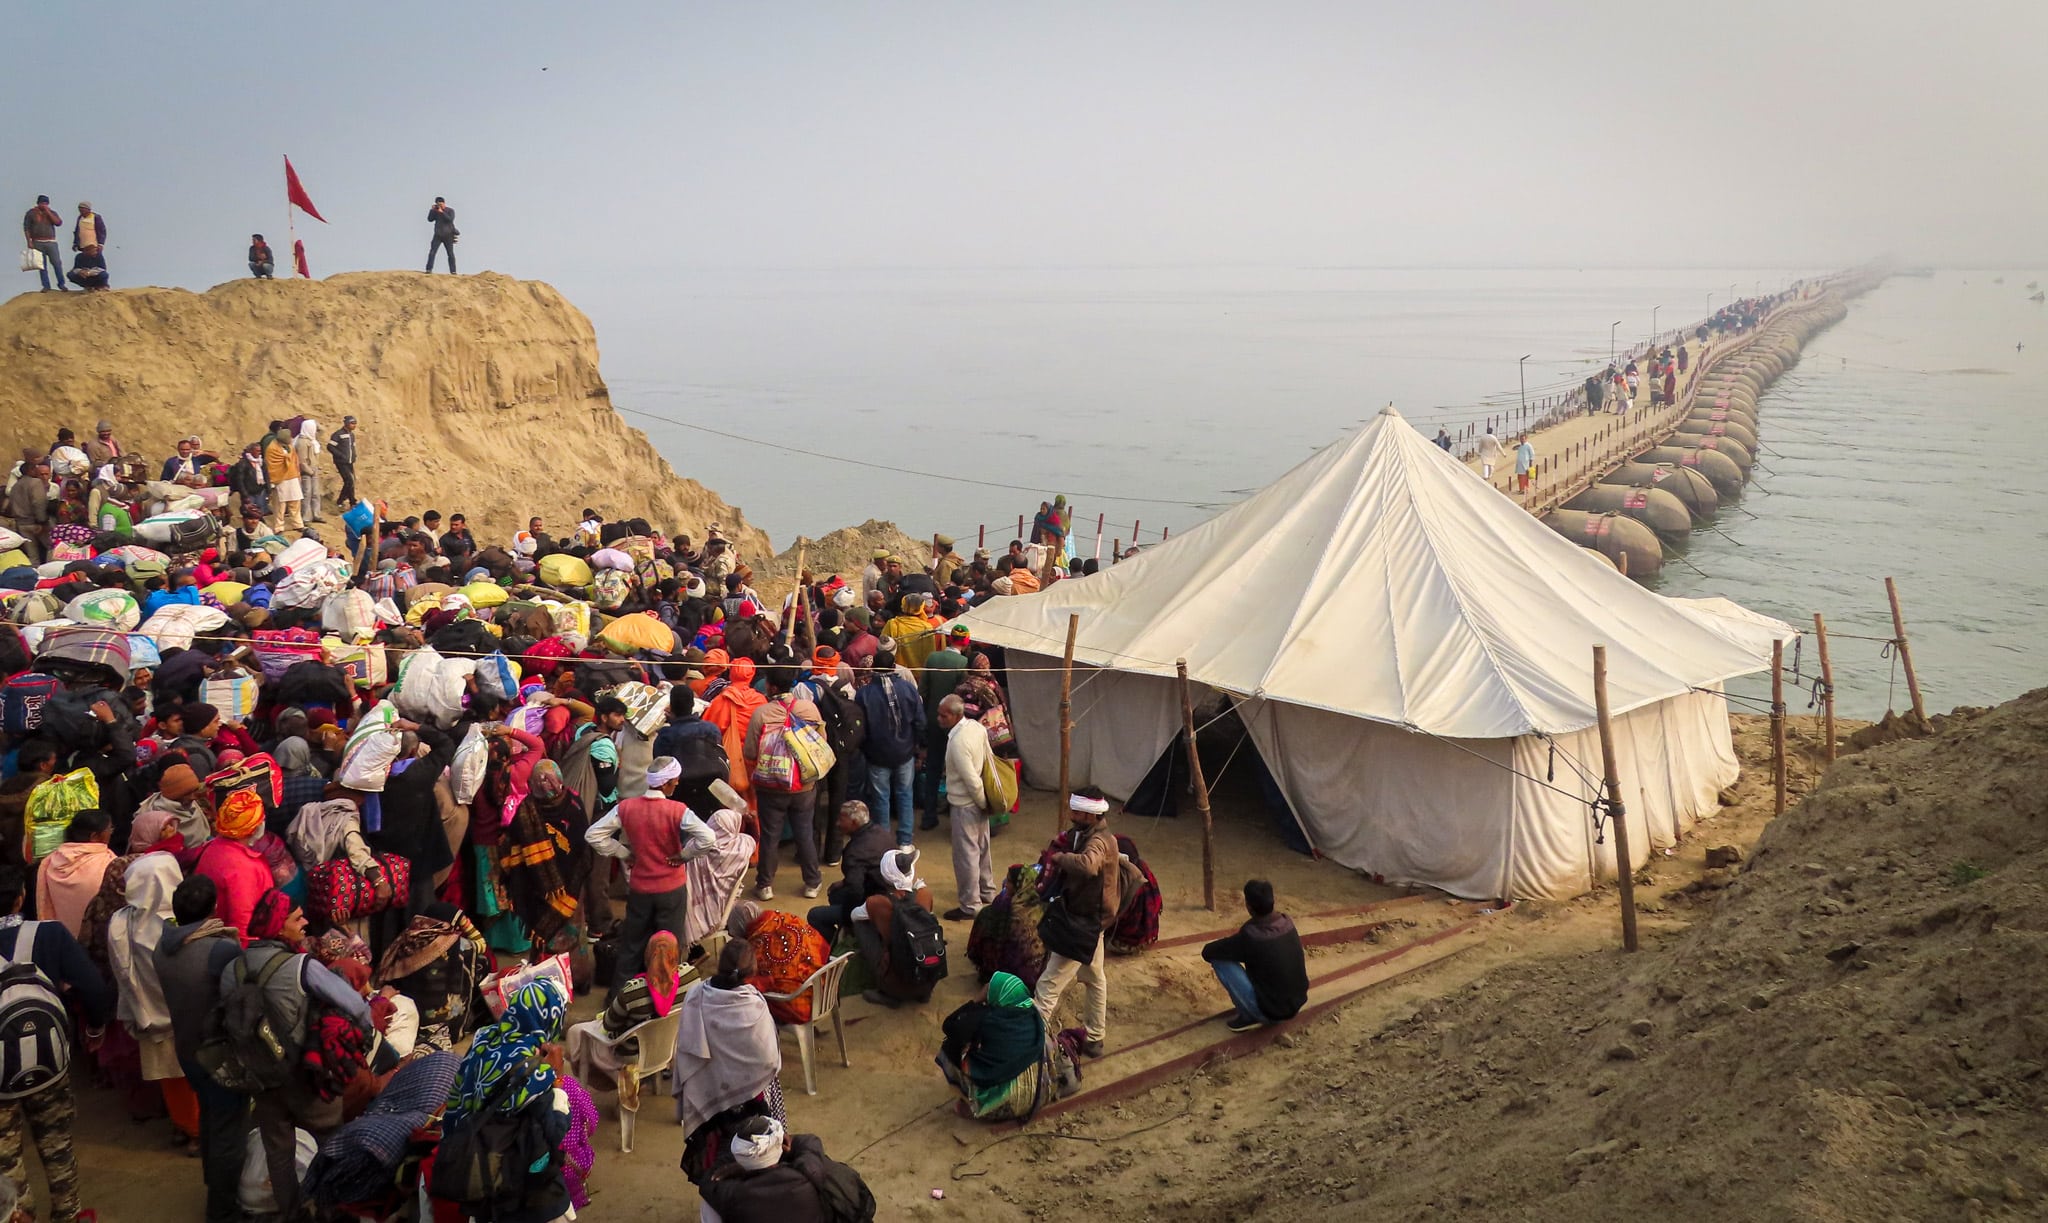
(1389,411)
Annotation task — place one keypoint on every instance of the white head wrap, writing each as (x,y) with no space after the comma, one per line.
(307,428)
(844,598)
(664,770)
(1092,806)
(899,878)
(765,1151)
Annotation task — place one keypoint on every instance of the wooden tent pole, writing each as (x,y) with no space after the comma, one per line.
(1066,725)
(1187,716)
(1617,811)
(1891,592)
(1777,728)
(1827,687)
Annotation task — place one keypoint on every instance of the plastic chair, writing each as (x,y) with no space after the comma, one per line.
(656,1053)
(713,941)
(823,987)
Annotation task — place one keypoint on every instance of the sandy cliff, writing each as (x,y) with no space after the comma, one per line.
(474,393)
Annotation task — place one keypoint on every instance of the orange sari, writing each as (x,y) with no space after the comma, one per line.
(788,951)
(730,711)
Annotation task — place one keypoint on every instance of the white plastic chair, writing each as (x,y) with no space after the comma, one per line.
(823,987)
(714,939)
(656,1053)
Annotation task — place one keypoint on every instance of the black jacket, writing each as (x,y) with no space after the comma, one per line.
(190,970)
(861,861)
(342,445)
(1270,950)
(784,1193)
(412,818)
(443,220)
(63,960)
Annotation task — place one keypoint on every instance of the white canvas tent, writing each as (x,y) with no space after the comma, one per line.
(1412,654)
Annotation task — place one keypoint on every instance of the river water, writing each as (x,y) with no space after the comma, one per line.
(950,400)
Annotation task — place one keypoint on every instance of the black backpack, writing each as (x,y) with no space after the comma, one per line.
(247,1051)
(35,1030)
(846,723)
(486,1159)
(917,943)
(844,1195)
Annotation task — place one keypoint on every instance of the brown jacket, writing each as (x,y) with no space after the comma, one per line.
(1090,880)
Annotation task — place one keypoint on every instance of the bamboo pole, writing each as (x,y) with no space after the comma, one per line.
(803,598)
(1827,687)
(1891,592)
(1777,728)
(1059,817)
(1624,864)
(1187,716)
(1099,524)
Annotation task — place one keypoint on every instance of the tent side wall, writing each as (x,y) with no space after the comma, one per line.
(1673,757)
(1122,721)
(1408,807)
(1403,806)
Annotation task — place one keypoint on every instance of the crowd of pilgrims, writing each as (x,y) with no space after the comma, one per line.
(314,844)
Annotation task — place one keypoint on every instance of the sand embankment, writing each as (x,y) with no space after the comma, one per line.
(474,393)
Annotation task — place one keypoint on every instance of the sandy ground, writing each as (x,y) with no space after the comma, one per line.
(890,1112)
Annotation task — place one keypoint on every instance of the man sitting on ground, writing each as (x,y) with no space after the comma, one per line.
(1261,966)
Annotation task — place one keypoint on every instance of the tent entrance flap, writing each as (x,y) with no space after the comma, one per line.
(1239,779)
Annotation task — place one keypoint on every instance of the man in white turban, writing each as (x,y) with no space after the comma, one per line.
(657,836)
(778,1175)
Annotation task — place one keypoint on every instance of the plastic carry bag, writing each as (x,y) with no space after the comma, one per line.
(430,687)
(372,750)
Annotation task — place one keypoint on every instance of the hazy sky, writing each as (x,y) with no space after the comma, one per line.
(580,141)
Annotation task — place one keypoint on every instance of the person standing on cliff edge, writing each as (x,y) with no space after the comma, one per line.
(442,217)
(39,231)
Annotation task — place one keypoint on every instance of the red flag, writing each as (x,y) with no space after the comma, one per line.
(295,192)
(299,258)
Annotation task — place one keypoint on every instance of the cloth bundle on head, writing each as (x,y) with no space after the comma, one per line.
(267,919)
(1090,806)
(240,816)
(900,869)
(757,1144)
(843,598)
(663,770)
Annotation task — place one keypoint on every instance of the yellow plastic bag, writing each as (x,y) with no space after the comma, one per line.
(484,594)
(561,570)
(229,593)
(639,631)
(52,804)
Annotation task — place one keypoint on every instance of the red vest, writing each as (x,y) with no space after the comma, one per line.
(652,825)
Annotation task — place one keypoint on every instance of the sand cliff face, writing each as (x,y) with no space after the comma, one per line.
(474,393)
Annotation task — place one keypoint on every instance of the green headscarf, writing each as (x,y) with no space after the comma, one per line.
(1005,989)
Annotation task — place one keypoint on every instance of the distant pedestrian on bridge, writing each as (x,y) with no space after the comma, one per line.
(1490,452)
(1525,463)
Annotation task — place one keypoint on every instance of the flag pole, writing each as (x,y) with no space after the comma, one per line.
(291,232)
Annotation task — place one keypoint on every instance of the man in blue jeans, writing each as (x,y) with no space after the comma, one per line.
(39,230)
(1261,966)
(895,718)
